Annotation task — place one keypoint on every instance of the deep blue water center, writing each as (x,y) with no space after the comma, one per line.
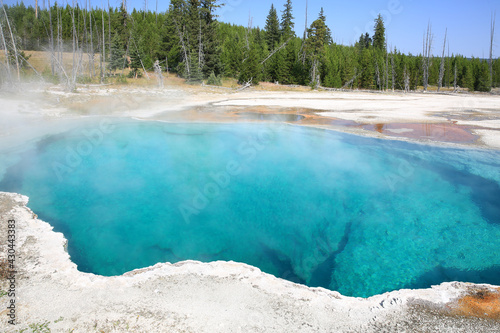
(353,214)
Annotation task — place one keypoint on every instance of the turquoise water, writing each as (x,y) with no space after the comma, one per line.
(357,215)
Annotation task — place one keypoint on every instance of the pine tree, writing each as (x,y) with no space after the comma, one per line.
(117,58)
(290,53)
(211,44)
(318,35)
(328,36)
(287,23)
(367,74)
(195,73)
(332,69)
(276,66)
(250,70)
(483,78)
(272,28)
(135,64)
(496,73)
(379,35)
(468,79)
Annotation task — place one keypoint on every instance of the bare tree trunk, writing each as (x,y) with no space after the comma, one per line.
(302,48)
(441,68)
(313,73)
(351,81)
(276,50)
(455,80)
(16,58)
(51,41)
(109,32)
(4,45)
(142,64)
(103,49)
(386,71)
(447,73)
(427,54)
(36,9)
(156,12)
(59,35)
(183,45)
(393,71)
(92,69)
(377,72)
(201,56)
(74,40)
(406,79)
(492,37)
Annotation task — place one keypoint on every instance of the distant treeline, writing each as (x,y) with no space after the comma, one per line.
(188,40)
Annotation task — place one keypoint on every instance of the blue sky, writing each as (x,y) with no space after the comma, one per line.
(468,22)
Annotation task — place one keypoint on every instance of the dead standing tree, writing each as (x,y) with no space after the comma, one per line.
(492,36)
(4,46)
(302,52)
(441,68)
(13,42)
(427,49)
(406,78)
(393,70)
(51,41)
(183,44)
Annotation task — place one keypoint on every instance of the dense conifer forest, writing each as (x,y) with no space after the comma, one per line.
(189,40)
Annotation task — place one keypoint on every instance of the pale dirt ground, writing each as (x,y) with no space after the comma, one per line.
(218,297)
(476,114)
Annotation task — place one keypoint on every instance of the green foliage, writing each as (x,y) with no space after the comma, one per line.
(367,75)
(117,58)
(195,74)
(49,77)
(364,42)
(272,28)
(214,80)
(496,73)
(211,43)
(468,80)
(84,79)
(134,73)
(251,69)
(287,23)
(37,328)
(482,76)
(135,63)
(318,36)
(121,79)
(191,42)
(379,35)
(22,58)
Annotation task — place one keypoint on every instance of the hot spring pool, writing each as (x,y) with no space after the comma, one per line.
(353,214)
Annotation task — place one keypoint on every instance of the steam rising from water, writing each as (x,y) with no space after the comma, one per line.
(357,215)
